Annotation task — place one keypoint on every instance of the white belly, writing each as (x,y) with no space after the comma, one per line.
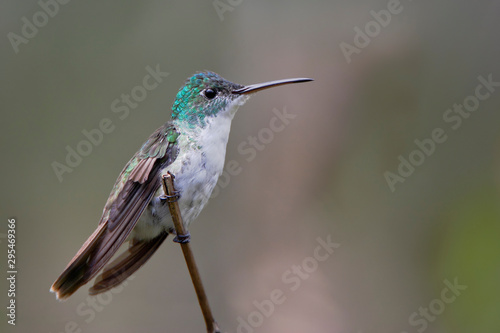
(196,170)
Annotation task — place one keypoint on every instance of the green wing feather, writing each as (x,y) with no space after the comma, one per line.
(132,192)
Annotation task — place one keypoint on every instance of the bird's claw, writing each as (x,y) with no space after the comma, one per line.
(170,198)
(183,239)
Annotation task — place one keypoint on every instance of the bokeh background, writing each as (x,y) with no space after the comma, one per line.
(322,176)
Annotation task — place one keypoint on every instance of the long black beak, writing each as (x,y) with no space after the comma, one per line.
(261,86)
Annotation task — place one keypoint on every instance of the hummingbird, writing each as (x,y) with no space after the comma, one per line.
(192,147)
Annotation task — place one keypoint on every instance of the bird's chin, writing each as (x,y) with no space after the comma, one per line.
(236,103)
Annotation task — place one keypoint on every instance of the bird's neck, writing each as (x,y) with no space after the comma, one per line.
(210,132)
(214,133)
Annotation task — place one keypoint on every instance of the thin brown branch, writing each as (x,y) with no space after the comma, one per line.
(173,205)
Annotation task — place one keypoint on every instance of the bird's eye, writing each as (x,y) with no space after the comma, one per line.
(210,93)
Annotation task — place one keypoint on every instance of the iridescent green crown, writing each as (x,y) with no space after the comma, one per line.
(193,106)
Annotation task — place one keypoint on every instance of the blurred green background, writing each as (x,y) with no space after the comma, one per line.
(322,176)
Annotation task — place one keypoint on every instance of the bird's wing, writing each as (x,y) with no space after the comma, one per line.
(127,263)
(131,194)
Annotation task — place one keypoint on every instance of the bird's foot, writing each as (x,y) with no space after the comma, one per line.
(164,198)
(183,239)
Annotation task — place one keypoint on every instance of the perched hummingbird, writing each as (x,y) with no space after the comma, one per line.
(192,147)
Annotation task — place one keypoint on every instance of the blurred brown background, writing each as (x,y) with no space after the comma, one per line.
(322,176)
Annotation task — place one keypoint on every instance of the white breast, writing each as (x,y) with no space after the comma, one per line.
(197,168)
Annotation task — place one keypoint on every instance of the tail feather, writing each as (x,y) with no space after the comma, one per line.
(126,264)
(76,273)
(91,258)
